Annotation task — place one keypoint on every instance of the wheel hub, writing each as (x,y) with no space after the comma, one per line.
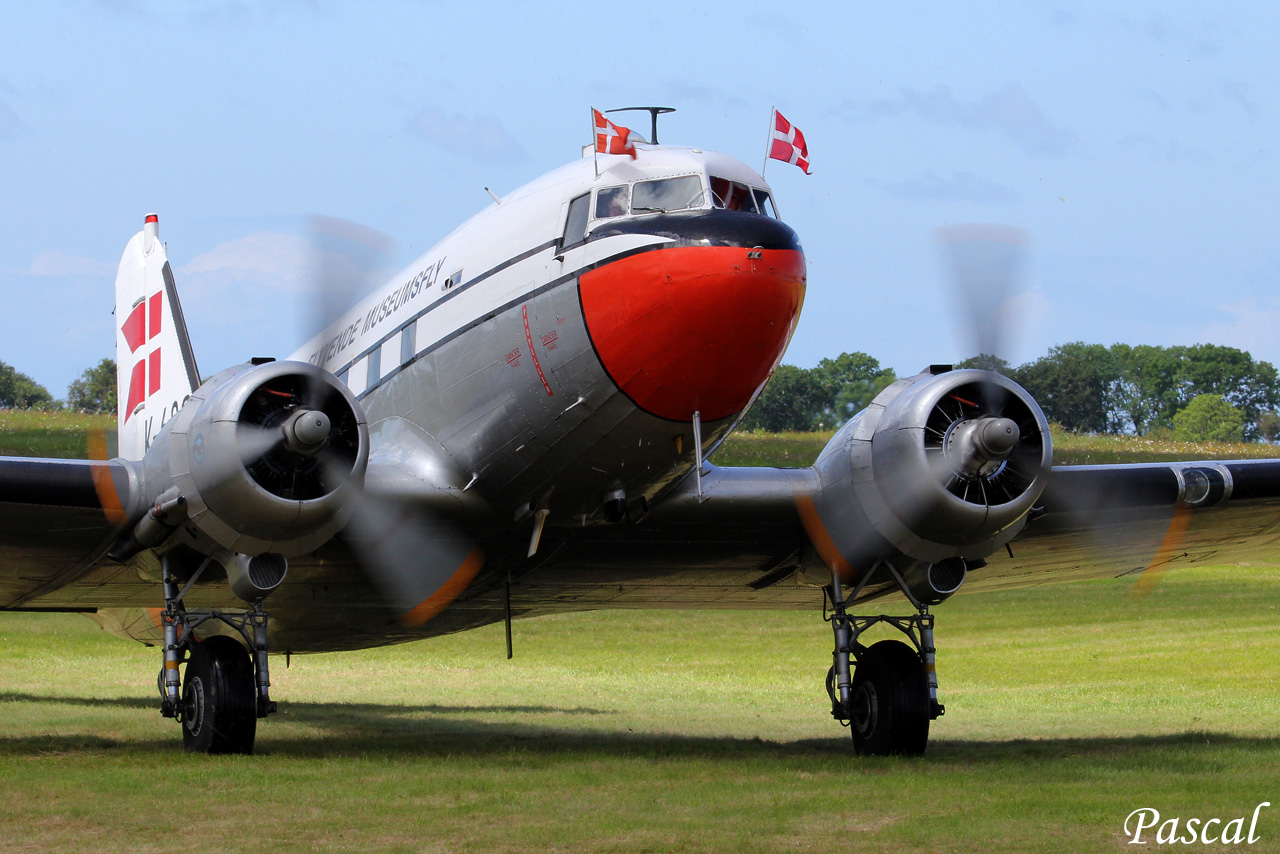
(193,705)
(865,709)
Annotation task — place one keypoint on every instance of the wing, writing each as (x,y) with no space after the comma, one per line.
(736,544)
(1115,520)
(57,518)
(753,541)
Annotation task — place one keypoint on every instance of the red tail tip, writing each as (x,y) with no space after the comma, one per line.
(152,218)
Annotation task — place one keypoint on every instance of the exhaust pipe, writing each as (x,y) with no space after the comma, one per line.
(932,583)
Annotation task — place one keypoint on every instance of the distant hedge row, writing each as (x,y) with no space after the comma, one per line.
(1193,393)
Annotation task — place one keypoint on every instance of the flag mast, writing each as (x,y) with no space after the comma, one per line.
(595,145)
(768,142)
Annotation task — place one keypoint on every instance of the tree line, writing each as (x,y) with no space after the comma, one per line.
(94,391)
(1203,391)
(1198,392)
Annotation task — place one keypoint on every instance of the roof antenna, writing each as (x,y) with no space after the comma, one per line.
(652,111)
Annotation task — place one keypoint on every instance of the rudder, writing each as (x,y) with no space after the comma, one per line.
(155,363)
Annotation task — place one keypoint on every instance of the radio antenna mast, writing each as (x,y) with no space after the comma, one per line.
(652,111)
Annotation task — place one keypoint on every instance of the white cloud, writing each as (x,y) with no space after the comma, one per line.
(1008,111)
(960,187)
(284,285)
(10,124)
(1148,147)
(266,258)
(57,263)
(1239,94)
(1251,326)
(480,137)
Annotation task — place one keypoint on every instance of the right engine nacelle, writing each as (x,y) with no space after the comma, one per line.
(940,469)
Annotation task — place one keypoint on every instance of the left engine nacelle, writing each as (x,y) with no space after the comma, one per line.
(266,459)
(939,472)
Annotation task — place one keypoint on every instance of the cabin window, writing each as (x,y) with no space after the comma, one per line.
(358,376)
(575,226)
(765,204)
(731,195)
(611,201)
(669,194)
(407,340)
(375,368)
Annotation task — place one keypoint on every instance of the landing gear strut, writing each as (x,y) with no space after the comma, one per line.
(225,689)
(889,699)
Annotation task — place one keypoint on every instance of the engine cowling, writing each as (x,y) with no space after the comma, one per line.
(266,457)
(941,469)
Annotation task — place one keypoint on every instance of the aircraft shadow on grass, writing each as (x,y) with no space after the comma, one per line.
(364,729)
(393,710)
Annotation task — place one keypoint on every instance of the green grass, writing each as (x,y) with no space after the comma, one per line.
(1069,449)
(1067,708)
(64,435)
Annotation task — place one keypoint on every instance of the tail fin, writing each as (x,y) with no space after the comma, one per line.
(157,368)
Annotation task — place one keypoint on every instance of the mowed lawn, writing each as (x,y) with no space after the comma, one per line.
(1068,707)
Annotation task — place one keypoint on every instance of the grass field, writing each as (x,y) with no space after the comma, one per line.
(1068,707)
(29,433)
(65,435)
(1069,449)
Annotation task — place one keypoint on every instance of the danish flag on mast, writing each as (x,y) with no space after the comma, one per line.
(612,138)
(157,369)
(786,143)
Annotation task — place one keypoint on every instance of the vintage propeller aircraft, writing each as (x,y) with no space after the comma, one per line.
(518,423)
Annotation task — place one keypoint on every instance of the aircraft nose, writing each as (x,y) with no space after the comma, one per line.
(699,327)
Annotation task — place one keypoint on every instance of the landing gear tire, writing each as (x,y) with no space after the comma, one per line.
(219,712)
(889,702)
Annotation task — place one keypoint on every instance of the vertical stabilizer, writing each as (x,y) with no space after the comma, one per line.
(157,369)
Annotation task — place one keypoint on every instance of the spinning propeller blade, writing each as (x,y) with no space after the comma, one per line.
(984,263)
(418,562)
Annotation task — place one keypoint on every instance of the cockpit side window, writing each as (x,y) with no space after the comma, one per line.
(765,203)
(720,189)
(667,194)
(611,201)
(575,226)
(731,195)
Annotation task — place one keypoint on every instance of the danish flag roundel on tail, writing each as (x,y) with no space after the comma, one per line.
(612,138)
(787,143)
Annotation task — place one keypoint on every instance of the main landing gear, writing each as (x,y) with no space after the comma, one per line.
(224,690)
(889,699)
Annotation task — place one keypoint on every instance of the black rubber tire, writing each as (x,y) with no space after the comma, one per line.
(219,706)
(889,702)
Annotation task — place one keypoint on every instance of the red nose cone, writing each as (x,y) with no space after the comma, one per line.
(693,328)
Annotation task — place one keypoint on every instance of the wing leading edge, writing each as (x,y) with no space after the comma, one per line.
(748,544)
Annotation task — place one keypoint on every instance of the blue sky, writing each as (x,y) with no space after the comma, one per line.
(1134,141)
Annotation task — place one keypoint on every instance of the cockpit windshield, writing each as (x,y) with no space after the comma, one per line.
(667,194)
